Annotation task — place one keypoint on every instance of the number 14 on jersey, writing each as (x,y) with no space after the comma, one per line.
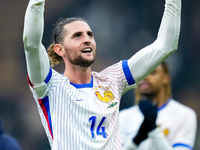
(101,131)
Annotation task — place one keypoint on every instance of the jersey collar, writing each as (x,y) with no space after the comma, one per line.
(78,86)
(164,105)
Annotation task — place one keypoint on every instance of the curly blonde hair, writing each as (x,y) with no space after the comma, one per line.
(57,37)
(54,58)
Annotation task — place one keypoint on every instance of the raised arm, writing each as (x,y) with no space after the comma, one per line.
(147,59)
(36,56)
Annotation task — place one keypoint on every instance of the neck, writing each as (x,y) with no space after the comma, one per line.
(78,75)
(160,98)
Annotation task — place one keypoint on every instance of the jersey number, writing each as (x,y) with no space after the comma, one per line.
(100,130)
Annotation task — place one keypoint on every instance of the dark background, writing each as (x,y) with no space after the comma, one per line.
(121,28)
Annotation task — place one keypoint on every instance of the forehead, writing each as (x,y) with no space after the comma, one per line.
(159,68)
(77,26)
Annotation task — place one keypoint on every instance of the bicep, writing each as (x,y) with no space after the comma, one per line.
(146,60)
(37,65)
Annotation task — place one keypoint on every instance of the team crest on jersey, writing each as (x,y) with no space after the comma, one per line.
(106,97)
(165,131)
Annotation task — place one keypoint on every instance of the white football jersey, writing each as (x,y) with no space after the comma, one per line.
(176,121)
(84,116)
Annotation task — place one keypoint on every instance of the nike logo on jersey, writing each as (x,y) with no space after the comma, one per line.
(78,100)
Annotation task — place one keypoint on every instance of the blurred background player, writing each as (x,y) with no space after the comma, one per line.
(158,122)
(7,142)
(79,109)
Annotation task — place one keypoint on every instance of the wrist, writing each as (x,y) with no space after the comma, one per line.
(139,138)
(131,145)
(154,132)
(150,124)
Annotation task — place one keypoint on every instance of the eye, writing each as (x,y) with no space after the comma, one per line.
(90,34)
(153,72)
(77,35)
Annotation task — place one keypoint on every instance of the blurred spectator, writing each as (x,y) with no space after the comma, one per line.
(158,121)
(7,142)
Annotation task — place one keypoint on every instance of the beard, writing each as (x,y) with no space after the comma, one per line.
(149,95)
(80,61)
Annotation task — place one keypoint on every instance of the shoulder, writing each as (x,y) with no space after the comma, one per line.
(181,108)
(109,69)
(56,74)
(110,74)
(58,77)
(56,81)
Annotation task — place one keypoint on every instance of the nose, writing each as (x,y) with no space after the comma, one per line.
(87,39)
(146,78)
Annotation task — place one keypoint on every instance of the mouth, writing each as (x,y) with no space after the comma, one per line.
(145,85)
(87,50)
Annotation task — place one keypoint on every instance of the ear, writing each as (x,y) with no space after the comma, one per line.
(58,48)
(166,79)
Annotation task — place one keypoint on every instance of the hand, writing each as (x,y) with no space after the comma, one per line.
(149,110)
